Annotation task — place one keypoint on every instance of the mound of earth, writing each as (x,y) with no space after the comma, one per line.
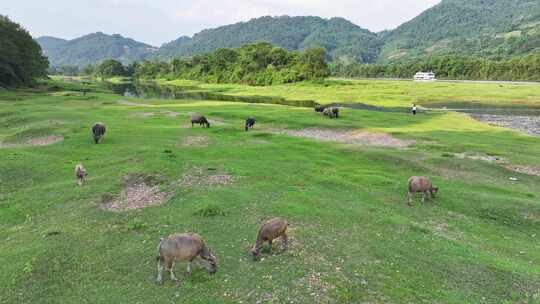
(35,141)
(354,137)
(139,191)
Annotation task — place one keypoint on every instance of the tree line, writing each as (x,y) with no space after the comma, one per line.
(21,59)
(525,68)
(252,64)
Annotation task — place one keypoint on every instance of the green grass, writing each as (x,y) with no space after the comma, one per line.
(354,240)
(389,93)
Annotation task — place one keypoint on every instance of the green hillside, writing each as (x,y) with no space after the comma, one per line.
(94,48)
(341,38)
(487,28)
(494,29)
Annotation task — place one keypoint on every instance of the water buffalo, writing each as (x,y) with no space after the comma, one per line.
(269,231)
(250,122)
(421,184)
(199,119)
(183,247)
(98,131)
(80,173)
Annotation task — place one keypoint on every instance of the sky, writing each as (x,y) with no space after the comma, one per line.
(159,21)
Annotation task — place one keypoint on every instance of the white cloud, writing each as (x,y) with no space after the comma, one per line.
(159,21)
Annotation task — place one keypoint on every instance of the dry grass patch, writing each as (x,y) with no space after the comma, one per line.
(195,141)
(528,170)
(170,113)
(206,177)
(129,103)
(139,191)
(35,142)
(523,169)
(480,156)
(142,115)
(353,137)
(216,122)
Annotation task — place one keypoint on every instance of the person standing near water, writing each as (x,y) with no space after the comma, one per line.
(414,109)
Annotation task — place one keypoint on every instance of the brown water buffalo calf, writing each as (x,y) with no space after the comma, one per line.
(183,247)
(421,184)
(269,231)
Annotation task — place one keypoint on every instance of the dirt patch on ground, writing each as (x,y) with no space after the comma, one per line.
(129,103)
(206,177)
(142,115)
(528,170)
(36,141)
(523,169)
(354,137)
(216,122)
(139,191)
(480,156)
(45,140)
(170,113)
(195,141)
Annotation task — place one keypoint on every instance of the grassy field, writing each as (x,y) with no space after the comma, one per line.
(353,238)
(389,93)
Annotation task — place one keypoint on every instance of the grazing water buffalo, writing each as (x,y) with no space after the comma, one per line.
(98,131)
(180,248)
(199,119)
(269,231)
(80,173)
(250,122)
(331,112)
(421,184)
(319,108)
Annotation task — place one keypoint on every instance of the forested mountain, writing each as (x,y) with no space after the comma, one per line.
(342,39)
(21,59)
(493,29)
(486,28)
(94,48)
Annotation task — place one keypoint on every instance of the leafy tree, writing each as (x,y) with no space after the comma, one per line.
(451,67)
(253,64)
(21,60)
(110,68)
(88,70)
(312,64)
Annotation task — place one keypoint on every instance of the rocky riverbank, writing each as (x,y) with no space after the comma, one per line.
(527,124)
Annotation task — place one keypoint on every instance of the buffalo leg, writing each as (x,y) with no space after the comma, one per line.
(170,266)
(285,240)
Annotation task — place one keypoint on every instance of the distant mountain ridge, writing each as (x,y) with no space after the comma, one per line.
(93,48)
(494,29)
(341,38)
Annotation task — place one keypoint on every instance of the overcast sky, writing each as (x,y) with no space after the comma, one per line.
(159,21)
